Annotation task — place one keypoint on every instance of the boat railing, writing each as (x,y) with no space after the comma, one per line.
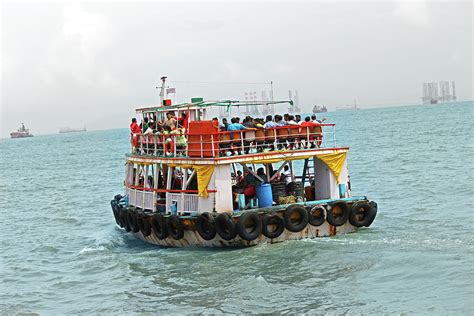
(241,142)
(184,201)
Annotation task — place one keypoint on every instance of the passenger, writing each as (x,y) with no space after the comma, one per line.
(261,174)
(224,125)
(149,130)
(298,118)
(215,122)
(239,180)
(249,122)
(269,123)
(168,143)
(249,184)
(145,124)
(181,141)
(235,125)
(308,123)
(134,128)
(279,120)
(183,120)
(170,120)
(286,174)
(291,120)
(259,123)
(315,120)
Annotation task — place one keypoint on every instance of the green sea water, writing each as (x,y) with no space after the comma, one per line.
(61,253)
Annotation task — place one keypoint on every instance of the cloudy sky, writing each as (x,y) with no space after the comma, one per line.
(87,64)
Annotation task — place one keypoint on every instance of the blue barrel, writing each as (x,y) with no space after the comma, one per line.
(264,195)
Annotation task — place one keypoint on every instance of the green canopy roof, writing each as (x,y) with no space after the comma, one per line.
(203,104)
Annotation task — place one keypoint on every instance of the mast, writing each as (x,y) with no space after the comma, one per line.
(162,89)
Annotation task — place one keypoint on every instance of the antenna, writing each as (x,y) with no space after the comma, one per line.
(162,89)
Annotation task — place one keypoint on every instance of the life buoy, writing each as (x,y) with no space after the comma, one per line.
(132,221)
(317,215)
(116,211)
(124,220)
(337,213)
(225,226)
(272,225)
(296,218)
(158,226)
(249,226)
(175,227)
(144,224)
(205,225)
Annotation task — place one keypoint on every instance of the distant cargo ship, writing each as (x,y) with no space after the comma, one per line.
(71,130)
(21,132)
(319,109)
(348,107)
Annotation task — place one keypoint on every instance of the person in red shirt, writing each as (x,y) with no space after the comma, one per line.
(135,130)
(309,131)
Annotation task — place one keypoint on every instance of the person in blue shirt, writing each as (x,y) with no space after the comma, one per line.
(269,122)
(235,125)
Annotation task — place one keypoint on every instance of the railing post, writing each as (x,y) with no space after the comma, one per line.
(200,138)
(242,145)
(212,145)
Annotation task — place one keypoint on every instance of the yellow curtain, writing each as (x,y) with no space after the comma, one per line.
(335,162)
(204,174)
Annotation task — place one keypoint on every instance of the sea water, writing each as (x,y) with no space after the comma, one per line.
(61,253)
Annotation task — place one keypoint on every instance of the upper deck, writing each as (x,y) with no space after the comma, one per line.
(204,142)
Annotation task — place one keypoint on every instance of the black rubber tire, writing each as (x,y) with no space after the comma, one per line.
(255,226)
(143,221)
(360,213)
(124,219)
(272,219)
(206,226)
(158,226)
(299,225)
(175,227)
(132,221)
(118,197)
(317,215)
(340,219)
(116,211)
(225,226)
(373,213)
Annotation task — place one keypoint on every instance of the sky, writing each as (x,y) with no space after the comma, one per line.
(91,64)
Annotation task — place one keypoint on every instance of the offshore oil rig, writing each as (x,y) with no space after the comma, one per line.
(434,92)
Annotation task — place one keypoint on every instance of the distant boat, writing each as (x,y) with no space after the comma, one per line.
(348,107)
(319,109)
(21,132)
(72,130)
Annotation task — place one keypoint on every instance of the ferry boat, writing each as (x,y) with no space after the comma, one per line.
(21,132)
(210,188)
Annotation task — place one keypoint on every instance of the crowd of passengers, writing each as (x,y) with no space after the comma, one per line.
(174,130)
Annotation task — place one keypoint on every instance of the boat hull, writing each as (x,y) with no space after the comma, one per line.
(20,135)
(191,237)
